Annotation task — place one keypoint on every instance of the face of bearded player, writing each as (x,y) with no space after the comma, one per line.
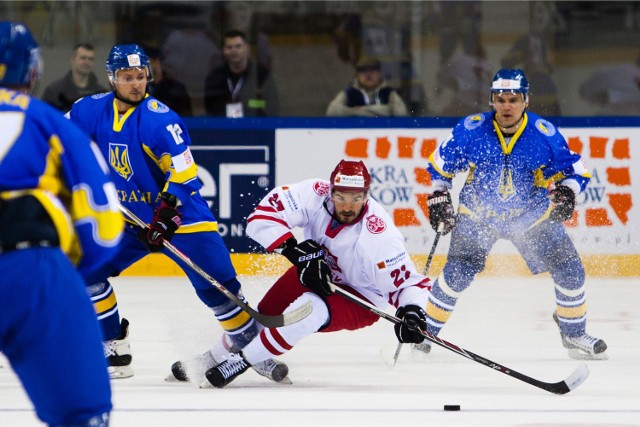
(348,205)
(131,85)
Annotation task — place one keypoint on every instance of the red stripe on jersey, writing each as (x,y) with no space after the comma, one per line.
(267,218)
(266,208)
(265,342)
(288,235)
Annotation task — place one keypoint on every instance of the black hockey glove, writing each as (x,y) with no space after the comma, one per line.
(413,318)
(165,222)
(564,201)
(441,211)
(308,257)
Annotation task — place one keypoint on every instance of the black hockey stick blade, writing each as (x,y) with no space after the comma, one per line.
(268,321)
(577,377)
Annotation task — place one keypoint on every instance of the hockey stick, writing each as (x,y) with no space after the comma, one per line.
(577,377)
(426,270)
(268,321)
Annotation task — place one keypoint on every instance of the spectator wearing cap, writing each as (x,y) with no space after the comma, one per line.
(368,95)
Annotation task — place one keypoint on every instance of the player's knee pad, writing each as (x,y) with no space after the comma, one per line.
(318,318)
(567,269)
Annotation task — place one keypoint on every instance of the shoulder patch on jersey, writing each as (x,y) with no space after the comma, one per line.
(545,127)
(290,200)
(157,106)
(99,95)
(392,261)
(472,122)
(321,188)
(375,224)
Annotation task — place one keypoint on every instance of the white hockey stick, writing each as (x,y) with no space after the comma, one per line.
(268,321)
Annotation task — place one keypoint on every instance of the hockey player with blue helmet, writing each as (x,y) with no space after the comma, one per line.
(522,184)
(59,220)
(147,146)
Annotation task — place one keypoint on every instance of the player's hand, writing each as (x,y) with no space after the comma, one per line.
(441,211)
(413,318)
(313,271)
(564,201)
(166,220)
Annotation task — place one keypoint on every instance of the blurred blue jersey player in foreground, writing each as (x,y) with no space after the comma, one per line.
(57,209)
(522,184)
(147,146)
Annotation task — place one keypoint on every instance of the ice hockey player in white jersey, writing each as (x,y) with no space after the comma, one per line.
(351,241)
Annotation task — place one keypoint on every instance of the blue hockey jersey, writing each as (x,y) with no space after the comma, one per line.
(148,151)
(508,180)
(44,156)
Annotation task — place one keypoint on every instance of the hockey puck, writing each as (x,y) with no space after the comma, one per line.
(451,407)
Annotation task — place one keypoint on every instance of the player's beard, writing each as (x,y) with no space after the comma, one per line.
(127,100)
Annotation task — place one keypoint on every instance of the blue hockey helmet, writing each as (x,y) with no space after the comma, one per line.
(511,81)
(20,62)
(127,56)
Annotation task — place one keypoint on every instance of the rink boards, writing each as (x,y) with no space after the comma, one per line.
(240,160)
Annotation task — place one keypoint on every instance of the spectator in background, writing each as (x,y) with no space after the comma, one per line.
(368,95)
(79,81)
(532,53)
(468,75)
(615,89)
(239,87)
(170,91)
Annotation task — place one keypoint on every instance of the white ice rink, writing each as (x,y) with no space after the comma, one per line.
(341,379)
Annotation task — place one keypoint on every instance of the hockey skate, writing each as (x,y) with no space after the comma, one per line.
(191,370)
(227,371)
(422,348)
(584,347)
(118,354)
(274,370)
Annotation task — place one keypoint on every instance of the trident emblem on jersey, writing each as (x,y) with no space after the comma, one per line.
(119,160)
(506,190)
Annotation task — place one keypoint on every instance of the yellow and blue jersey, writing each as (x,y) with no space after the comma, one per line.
(508,179)
(45,157)
(148,152)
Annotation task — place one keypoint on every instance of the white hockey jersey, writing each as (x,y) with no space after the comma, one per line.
(368,255)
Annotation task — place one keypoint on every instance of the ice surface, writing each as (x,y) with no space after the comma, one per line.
(341,379)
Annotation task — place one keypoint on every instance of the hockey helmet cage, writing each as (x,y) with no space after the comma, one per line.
(510,81)
(20,61)
(351,177)
(127,56)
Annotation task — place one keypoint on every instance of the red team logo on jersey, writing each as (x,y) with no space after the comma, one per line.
(321,188)
(375,224)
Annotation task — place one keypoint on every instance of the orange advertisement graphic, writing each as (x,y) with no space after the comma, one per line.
(606,202)
(610,186)
(407,148)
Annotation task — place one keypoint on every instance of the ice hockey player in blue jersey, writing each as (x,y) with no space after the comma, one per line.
(522,184)
(147,147)
(59,218)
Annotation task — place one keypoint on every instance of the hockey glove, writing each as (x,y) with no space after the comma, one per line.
(313,271)
(413,318)
(441,211)
(165,222)
(564,200)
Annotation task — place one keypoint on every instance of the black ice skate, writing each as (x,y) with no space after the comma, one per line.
(227,371)
(192,370)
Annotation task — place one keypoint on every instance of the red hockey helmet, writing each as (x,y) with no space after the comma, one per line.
(350,176)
